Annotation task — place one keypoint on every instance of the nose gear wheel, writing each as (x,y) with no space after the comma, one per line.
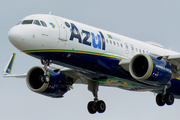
(45,78)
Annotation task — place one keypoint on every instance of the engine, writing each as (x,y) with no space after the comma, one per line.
(148,68)
(56,87)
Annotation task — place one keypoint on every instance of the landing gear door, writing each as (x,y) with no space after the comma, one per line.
(62,29)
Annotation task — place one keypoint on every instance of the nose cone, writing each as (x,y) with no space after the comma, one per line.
(16,36)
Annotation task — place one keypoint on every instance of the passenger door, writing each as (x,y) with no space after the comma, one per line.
(62,29)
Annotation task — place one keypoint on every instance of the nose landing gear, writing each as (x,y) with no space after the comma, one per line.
(45,78)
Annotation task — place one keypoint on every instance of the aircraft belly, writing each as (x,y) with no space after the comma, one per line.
(126,84)
(100,64)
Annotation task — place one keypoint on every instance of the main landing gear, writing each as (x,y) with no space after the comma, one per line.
(45,78)
(96,105)
(164,97)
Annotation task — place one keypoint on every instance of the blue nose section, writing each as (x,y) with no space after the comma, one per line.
(16,36)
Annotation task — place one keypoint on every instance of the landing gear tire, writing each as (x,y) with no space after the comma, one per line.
(162,99)
(169,98)
(92,107)
(46,78)
(45,62)
(100,106)
(159,100)
(96,105)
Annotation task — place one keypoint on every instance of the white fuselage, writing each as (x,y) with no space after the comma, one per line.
(56,35)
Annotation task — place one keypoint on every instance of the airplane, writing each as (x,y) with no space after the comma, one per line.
(92,56)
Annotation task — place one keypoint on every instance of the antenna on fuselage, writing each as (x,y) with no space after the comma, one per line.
(50,13)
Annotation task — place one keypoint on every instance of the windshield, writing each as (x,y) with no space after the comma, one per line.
(19,22)
(27,22)
(35,22)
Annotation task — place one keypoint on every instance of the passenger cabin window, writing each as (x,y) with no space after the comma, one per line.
(121,45)
(126,46)
(110,42)
(36,22)
(114,43)
(27,22)
(107,40)
(136,50)
(132,48)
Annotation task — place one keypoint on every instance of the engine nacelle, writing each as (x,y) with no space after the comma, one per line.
(148,68)
(57,86)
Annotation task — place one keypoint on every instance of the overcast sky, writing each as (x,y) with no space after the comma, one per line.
(145,20)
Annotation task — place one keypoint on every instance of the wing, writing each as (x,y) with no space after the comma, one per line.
(175,64)
(7,70)
(72,75)
(173,60)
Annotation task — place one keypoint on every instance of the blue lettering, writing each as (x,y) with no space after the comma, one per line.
(85,40)
(94,41)
(103,41)
(100,44)
(75,33)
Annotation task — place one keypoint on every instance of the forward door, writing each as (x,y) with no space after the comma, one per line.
(62,29)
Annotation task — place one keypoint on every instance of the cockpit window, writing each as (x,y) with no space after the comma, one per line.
(27,22)
(19,22)
(43,23)
(37,22)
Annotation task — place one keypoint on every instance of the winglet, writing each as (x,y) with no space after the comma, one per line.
(8,68)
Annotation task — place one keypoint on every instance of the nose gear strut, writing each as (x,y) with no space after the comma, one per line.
(45,78)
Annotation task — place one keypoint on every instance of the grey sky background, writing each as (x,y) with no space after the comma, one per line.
(145,20)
